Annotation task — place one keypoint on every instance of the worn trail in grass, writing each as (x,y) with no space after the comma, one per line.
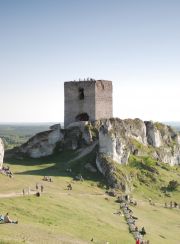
(77,216)
(59,215)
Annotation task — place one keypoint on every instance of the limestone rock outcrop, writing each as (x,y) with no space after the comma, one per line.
(1,152)
(43,143)
(120,138)
(153,134)
(115,135)
(115,139)
(76,135)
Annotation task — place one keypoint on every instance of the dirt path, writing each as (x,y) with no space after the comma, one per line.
(15,194)
(12,194)
(84,152)
(154,204)
(66,192)
(19,194)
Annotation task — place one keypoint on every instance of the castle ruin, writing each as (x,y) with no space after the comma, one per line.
(87,100)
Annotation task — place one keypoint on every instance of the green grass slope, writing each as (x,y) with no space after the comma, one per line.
(86,212)
(59,215)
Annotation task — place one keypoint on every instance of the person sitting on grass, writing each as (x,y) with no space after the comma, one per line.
(8,220)
(69,187)
(1,219)
(142,232)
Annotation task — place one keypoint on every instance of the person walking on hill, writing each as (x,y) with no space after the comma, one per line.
(36,186)
(143,232)
(42,188)
(171,204)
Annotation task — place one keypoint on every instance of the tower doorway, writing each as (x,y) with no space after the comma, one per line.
(82,117)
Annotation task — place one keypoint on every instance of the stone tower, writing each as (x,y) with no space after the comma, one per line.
(87,100)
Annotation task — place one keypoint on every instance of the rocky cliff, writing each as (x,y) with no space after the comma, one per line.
(117,141)
(1,152)
(116,138)
(120,138)
(43,143)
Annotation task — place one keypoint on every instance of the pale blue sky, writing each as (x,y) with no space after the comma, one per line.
(134,43)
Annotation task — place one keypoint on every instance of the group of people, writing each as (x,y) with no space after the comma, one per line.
(39,187)
(138,241)
(5,219)
(130,218)
(39,190)
(47,178)
(172,205)
(78,177)
(5,170)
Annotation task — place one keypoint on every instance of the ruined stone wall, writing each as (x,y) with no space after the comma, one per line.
(73,106)
(97,101)
(103,93)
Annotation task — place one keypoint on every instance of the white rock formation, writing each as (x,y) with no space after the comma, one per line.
(153,135)
(113,146)
(135,128)
(169,155)
(42,144)
(120,138)
(115,140)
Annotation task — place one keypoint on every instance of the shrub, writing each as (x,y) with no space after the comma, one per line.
(173,185)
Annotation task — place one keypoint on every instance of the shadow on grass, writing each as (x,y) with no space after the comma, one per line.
(57,165)
(54,165)
(60,158)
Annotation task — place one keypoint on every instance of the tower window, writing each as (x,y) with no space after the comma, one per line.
(81,93)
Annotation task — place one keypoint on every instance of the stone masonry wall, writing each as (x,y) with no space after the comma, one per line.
(97,102)
(73,106)
(103,93)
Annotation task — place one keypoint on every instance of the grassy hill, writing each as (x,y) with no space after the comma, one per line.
(86,212)
(59,215)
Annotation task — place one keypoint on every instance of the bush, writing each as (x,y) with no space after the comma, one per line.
(173,185)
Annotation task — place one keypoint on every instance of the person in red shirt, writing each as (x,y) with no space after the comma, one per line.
(138,241)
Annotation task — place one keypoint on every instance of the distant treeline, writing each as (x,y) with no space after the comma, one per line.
(16,134)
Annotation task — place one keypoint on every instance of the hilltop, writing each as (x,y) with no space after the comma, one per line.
(115,143)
